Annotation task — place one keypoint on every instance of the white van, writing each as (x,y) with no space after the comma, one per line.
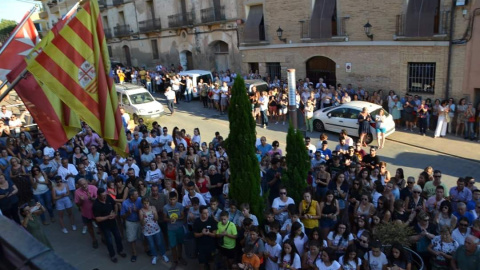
(138,102)
(196,75)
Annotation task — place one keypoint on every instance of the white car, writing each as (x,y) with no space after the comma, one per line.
(138,102)
(345,116)
(196,75)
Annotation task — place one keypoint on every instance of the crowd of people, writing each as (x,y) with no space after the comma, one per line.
(174,187)
(409,112)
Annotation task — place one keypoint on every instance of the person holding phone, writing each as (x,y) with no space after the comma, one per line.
(205,232)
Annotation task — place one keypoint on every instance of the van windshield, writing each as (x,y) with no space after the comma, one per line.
(141,98)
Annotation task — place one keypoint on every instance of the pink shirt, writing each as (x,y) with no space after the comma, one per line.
(90,140)
(81,198)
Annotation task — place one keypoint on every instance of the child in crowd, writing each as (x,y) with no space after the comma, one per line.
(213,210)
(245,207)
(250,260)
(293,216)
(272,251)
(289,258)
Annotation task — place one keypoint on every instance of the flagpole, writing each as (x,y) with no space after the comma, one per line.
(12,85)
(19,26)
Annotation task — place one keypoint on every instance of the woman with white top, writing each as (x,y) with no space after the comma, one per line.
(350,261)
(328,261)
(443,112)
(41,191)
(154,176)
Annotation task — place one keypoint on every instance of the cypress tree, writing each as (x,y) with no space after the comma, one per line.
(240,145)
(298,165)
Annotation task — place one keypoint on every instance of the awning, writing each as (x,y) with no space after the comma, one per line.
(321,19)
(420,18)
(252,26)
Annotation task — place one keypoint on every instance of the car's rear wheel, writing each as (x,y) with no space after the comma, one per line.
(368,138)
(318,125)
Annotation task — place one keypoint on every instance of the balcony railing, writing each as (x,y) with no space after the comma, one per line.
(118,2)
(102,4)
(182,19)
(441,24)
(149,25)
(338,29)
(122,30)
(108,32)
(212,14)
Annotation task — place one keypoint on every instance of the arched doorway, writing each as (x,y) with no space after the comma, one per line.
(321,67)
(186,60)
(126,53)
(220,50)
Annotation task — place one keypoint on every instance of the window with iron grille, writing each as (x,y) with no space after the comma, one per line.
(154,49)
(421,77)
(274,69)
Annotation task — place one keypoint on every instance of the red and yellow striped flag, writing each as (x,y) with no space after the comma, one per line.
(75,66)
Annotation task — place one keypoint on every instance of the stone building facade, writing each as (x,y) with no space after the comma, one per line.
(198,34)
(406,50)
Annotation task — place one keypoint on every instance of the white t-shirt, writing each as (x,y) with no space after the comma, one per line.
(170,95)
(166,139)
(339,241)
(153,177)
(296,261)
(274,251)
(376,263)
(350,265)
(299,242)
(321,265)
(264,106)
(224,91)
(279,204)
(155,144)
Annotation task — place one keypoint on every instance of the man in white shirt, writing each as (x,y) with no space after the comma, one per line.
(310,147)
(462,231)
(15,124)
(154,141)
(187,198)
(166,141)
(132,165)
(188,89)
(68,172)
(263,101)
(5,114)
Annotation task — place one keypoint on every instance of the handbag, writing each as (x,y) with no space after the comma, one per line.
(447,118)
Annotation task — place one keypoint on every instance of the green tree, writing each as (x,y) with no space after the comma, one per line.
(298,165)
(240,145)
(6,27)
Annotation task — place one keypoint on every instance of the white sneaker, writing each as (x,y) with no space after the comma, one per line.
(84,230)
(64,230)
(74,227)
(165,258)
(154,260)
(95,224)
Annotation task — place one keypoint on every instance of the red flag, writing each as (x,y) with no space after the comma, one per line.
(20,46)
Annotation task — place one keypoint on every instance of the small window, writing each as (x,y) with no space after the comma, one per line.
(339,113)
(274,69)
(125,100)
(154,48)
(421,77)
(110,53)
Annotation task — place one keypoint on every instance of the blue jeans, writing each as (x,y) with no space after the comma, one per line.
(155,241)
(149,87)
(188,95)
(469,130)
(108,232)
(170,105)
(46,200)
(264,117)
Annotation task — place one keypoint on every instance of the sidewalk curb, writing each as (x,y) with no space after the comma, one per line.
(436,151)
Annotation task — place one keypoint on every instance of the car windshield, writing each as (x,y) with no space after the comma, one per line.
(375,112)
(141,98)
